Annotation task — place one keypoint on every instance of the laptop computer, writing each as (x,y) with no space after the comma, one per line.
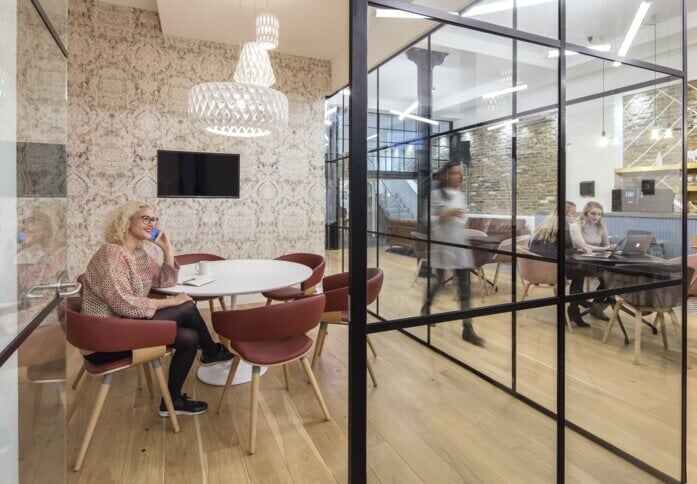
(636,244)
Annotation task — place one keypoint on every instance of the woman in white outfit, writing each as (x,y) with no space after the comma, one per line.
(447,225)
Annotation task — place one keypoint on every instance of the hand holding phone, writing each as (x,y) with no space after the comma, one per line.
(154,234)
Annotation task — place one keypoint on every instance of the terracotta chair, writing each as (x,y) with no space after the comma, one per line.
(270,336)
(315,262)
(660,301)
(336,309)
(420,248)
(473,238)
(537,273)
(194,258)
(148,341)
(144,366)
(507,246)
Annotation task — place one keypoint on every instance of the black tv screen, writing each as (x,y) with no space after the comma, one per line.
(197,175)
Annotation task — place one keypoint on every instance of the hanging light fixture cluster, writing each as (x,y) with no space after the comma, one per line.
(247,107)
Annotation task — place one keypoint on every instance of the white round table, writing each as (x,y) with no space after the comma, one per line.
(233,278)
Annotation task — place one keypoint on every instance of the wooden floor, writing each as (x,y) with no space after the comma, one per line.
(429,420)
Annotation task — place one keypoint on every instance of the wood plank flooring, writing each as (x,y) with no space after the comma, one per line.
(428,421)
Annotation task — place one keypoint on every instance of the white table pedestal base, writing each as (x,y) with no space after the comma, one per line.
(217,374)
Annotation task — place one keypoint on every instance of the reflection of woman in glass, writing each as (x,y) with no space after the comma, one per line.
(447,225)
(571,215)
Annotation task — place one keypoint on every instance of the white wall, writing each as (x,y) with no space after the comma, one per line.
(585,159)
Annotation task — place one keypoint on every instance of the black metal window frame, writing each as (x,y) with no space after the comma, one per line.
(358,233)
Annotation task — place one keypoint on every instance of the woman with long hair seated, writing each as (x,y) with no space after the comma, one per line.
(544,243)
(589,235)
(117,282)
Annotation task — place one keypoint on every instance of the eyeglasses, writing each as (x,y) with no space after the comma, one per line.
(149,220)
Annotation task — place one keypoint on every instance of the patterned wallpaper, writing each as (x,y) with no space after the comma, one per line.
(127,91)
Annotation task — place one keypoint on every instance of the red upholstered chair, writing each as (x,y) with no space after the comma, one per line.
(81,372)
(148,341)
(315,262)
(336,309)
(270,336)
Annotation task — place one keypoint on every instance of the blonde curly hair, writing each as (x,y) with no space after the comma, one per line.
(119,219)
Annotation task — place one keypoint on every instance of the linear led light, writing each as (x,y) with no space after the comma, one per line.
(393,13)
(504,124)
(508,90)
(409,110)
(372,136)
(554,53)
(327,122)
(501,6)
(634,28)
(329,112)
(413,116)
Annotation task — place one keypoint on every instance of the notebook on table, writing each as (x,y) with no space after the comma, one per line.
(197,280)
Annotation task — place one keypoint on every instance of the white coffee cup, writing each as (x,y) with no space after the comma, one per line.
(203,268)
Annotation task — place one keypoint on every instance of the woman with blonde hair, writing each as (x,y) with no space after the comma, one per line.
(544,243)
(590,235)
(117,282)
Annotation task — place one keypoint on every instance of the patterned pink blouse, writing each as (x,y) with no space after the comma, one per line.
(117,283)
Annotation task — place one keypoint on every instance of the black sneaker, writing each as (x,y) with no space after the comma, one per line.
(470,336)
(184,406)
(222,355)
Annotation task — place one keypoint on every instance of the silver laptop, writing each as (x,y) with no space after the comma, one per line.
(636,244)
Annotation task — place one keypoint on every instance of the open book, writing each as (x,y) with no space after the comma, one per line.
(196,280)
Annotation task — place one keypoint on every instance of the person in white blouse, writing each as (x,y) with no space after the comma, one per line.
(447,225)
(590,234)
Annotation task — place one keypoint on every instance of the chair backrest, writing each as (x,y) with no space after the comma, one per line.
(473,233)
(96,333)
(660,299)
(692,262)
(315,262)
(419,244)
(536,271)
(81,281)
(184,259)
(507,246)
(270,323)
(336,289)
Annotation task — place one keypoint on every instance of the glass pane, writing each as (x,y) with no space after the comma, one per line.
(636,29)
(536,355)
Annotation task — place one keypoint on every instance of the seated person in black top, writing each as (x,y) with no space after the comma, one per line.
(544,243)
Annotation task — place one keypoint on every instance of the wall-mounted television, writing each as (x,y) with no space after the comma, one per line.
(184,174)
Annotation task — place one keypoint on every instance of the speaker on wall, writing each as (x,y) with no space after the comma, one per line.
(587,188)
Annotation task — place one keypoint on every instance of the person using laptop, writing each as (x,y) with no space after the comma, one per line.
(117,282)
(590,235)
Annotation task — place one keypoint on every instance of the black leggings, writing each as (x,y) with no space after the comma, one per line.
(192,333)
(462,277)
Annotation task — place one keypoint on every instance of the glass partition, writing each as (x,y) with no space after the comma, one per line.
(474,187)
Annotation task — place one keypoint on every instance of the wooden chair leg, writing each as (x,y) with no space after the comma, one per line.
(211,306)
(268,301)
(371,346)
(613,320)
(286,375)
(77,379)
(526,288)
(315,386)
(254,409)
(371,372)
(662,321)
(160,375)
(96,411)
(637,335)
(228,381)
(78,397)
(222,303)
(139,378)
(496,276)
(148,380)
(676,327)
(321,334)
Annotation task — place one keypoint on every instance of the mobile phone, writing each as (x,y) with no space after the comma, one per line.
(154,233)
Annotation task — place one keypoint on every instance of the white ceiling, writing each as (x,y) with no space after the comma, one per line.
(310,28)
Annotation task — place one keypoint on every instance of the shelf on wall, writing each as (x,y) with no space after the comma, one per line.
(644,169)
